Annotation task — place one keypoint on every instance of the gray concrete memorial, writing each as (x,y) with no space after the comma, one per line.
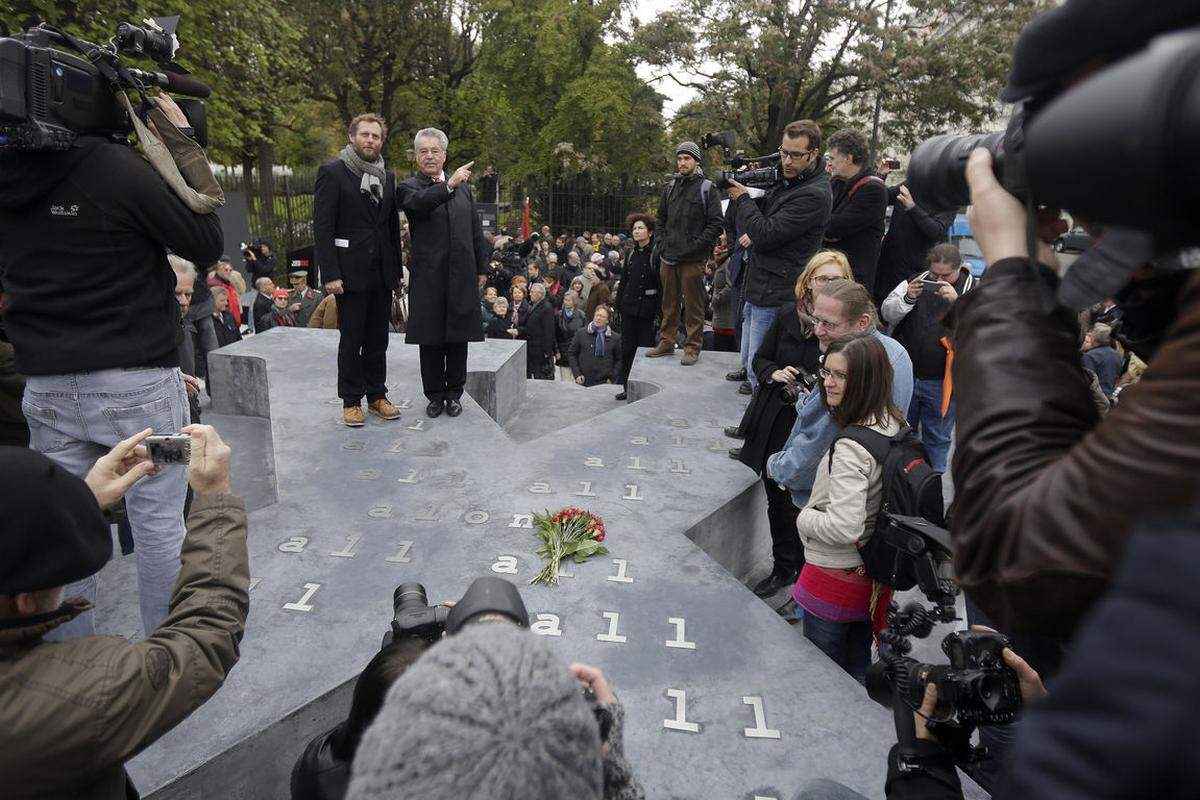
(724,699)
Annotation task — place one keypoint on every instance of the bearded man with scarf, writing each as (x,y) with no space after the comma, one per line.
(357,231)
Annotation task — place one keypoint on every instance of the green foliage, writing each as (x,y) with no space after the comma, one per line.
(757,65)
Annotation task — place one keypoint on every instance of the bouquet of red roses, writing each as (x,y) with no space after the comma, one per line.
(570,533)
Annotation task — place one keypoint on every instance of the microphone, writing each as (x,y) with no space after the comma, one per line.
(174,82)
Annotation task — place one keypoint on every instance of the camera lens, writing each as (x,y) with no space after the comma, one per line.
(937,170)
(409,596)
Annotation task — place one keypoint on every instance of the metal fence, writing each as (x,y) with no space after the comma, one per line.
(281,210)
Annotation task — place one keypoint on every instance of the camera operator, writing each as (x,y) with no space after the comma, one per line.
(84,235)
(74,712)
(1046,492)
(783,231)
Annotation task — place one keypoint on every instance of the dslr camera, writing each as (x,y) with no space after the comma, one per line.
(975,688)
(761,172)
(485,598)
(55,87)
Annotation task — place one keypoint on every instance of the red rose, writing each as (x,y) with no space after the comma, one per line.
(600,538)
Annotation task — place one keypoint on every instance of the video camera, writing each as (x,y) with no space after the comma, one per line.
(486,596)
(975,688)
(55,87)
(758,171)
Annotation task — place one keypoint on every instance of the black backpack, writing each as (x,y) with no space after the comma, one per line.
(911,488)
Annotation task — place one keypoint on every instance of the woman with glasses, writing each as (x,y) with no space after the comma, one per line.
(786,367)
(837,601)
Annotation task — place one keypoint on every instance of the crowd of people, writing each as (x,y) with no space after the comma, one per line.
(857,331)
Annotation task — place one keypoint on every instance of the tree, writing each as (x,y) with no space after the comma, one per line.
(758,65)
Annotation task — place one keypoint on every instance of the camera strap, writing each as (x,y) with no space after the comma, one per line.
(179,160)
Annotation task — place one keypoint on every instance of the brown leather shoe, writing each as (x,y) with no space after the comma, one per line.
(353,416)
(689,357)
(661,349)
(383,408)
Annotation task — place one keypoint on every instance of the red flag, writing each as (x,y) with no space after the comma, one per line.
(525,221)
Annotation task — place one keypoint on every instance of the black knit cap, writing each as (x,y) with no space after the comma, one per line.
(1060,42)
(51,528)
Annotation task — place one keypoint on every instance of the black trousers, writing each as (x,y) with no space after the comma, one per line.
(362,349)
(781,514)
(444,370)
(635,332)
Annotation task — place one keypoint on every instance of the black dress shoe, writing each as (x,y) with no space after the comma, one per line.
(434,409)
(623,396)
(774,582)
(745,388)
(734,433)
(736,375)
(453,408)
(735,453)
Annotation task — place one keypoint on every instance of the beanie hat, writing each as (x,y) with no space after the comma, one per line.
(690,148)
(491,712)
(51,528)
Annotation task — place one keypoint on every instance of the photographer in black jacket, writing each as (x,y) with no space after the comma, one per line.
(781,232)
(93,319)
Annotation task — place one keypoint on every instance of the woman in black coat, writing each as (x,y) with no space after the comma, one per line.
(538,331)
(639,295)
(570,319)
(595,352)
(788,358)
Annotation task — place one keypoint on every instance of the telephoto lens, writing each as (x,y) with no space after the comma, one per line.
(937,170)
(413,614)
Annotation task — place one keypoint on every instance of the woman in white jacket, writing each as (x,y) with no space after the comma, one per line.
(835,596)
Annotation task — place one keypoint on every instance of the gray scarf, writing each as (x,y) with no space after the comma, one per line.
(371,172)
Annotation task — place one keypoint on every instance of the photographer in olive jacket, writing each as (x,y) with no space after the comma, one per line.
(74,712)
(92,316)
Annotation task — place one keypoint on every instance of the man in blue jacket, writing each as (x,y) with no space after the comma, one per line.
(841,308)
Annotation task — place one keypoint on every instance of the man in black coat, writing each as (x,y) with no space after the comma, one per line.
(860,200)
(910,235)
(357,233)
(689,223)
(782,233)
(449,252)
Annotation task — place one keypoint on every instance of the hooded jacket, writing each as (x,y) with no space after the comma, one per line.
(84,236)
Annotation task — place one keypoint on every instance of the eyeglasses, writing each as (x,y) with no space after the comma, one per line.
(826,324)
(839,377)
(825,278)
(794,155)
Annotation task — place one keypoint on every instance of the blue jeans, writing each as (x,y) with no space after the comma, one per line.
(925,414)
(755,321)
(847,643)
(77,417)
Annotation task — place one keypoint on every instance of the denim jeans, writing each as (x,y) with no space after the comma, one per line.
(77,417)
(847,643)
(755,321)
(925,417)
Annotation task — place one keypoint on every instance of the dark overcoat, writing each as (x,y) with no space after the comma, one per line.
(355,238)
(769,417)
(448,252)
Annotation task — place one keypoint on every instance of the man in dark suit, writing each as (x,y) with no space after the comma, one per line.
(357,232)
(860,201)
(449,252)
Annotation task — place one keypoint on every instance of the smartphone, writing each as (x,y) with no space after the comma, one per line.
(932,283)
(170,449)
(892,163)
